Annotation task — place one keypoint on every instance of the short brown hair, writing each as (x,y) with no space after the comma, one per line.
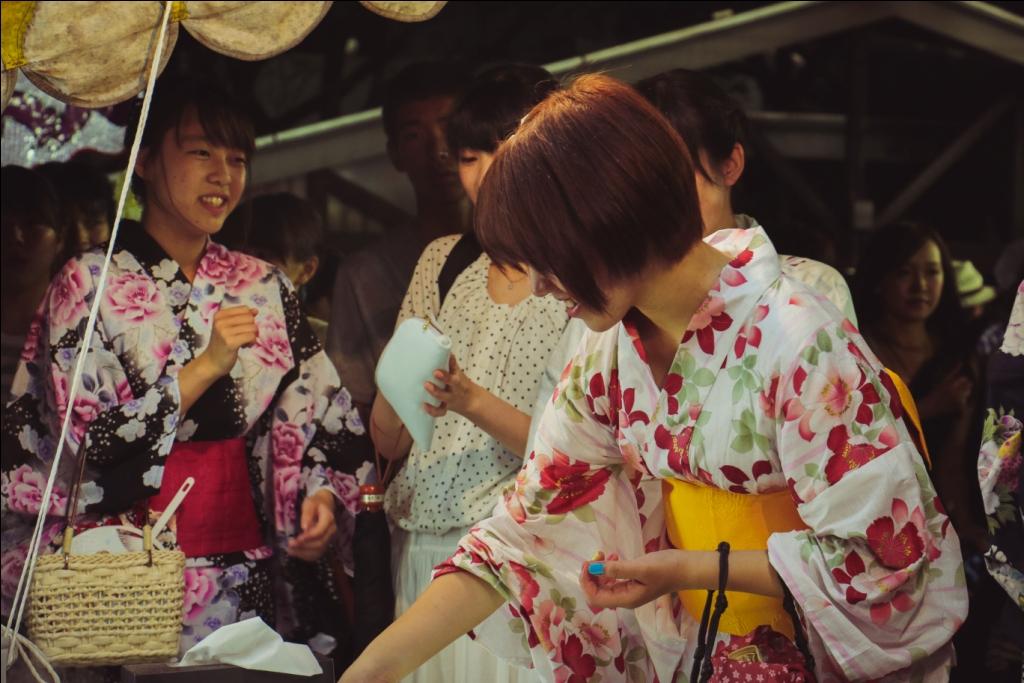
(223,118)
(595,180)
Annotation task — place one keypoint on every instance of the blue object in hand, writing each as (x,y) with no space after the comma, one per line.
(595,568)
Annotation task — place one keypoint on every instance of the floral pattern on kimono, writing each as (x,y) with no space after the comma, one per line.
(801,406)
(282,396)
(999,464)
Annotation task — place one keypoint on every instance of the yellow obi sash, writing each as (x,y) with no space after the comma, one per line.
(700,517)
(910,408)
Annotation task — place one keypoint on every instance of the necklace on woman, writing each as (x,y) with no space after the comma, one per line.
(512,283)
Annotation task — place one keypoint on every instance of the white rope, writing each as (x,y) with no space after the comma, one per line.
(24,647)
(25,581)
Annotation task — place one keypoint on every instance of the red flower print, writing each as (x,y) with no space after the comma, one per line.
(881,612)
(895,549)
(628,416)
(791,485)
(865,415)
(576,484)
(708,319)
(634,335)
(853,566)
(737,476)
(604,403)
(528,586)
(751,333)
(678,446)
(847,456)
(673,386)
(582,665)
(895,404)
(767,398)
(742,259)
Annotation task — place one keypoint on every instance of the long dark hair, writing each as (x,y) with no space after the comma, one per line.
(888,250)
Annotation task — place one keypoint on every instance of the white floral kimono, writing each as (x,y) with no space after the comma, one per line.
(769,390)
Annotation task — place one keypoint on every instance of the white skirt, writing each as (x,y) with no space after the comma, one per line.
(464,661)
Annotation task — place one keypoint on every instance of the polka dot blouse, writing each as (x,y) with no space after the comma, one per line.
(502,348)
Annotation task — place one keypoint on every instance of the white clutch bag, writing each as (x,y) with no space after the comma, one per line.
(415,351)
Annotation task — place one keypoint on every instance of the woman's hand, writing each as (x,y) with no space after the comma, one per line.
(458,394)
(631,583)
(951,396)
(232,329)
(317,525)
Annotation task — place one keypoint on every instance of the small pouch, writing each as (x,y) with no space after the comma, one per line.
(409,360)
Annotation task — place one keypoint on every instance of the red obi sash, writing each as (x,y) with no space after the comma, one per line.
(219,514)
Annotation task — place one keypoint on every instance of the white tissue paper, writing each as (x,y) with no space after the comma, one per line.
(251,644)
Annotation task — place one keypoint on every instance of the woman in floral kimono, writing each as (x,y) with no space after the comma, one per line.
(202,364)
(713,400)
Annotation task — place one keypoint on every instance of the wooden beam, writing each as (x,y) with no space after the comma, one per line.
(949,156)
(981,25)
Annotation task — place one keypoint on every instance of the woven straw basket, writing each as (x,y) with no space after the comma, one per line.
(107,609)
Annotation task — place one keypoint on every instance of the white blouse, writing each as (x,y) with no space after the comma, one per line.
(502,348)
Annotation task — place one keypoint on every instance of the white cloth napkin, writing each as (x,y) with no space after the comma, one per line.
(251,644)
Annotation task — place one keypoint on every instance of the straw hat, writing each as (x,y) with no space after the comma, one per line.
(970,285)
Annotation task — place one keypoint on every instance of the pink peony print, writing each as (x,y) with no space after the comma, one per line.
(134,298)
(247,270)
(217,265)
(67,296)
(286,492)
(11,563)
(24,491)
(28,351)
(272,348)
(87,407)
(347,488)
(289,444)
(200,590)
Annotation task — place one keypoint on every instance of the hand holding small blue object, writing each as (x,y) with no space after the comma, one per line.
(595,568)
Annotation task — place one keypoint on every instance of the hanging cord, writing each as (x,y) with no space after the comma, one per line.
(25,581)
(24,647)
(708,631)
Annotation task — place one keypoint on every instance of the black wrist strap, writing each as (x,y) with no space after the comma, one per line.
(798,631)
(708,631)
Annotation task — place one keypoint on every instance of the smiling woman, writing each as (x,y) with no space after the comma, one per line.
(202,365)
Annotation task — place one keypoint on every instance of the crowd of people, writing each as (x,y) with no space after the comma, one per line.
(636,376)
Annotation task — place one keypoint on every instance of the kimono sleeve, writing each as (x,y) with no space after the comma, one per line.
(316,437)
(124,437)
(878,576)
(574,496)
